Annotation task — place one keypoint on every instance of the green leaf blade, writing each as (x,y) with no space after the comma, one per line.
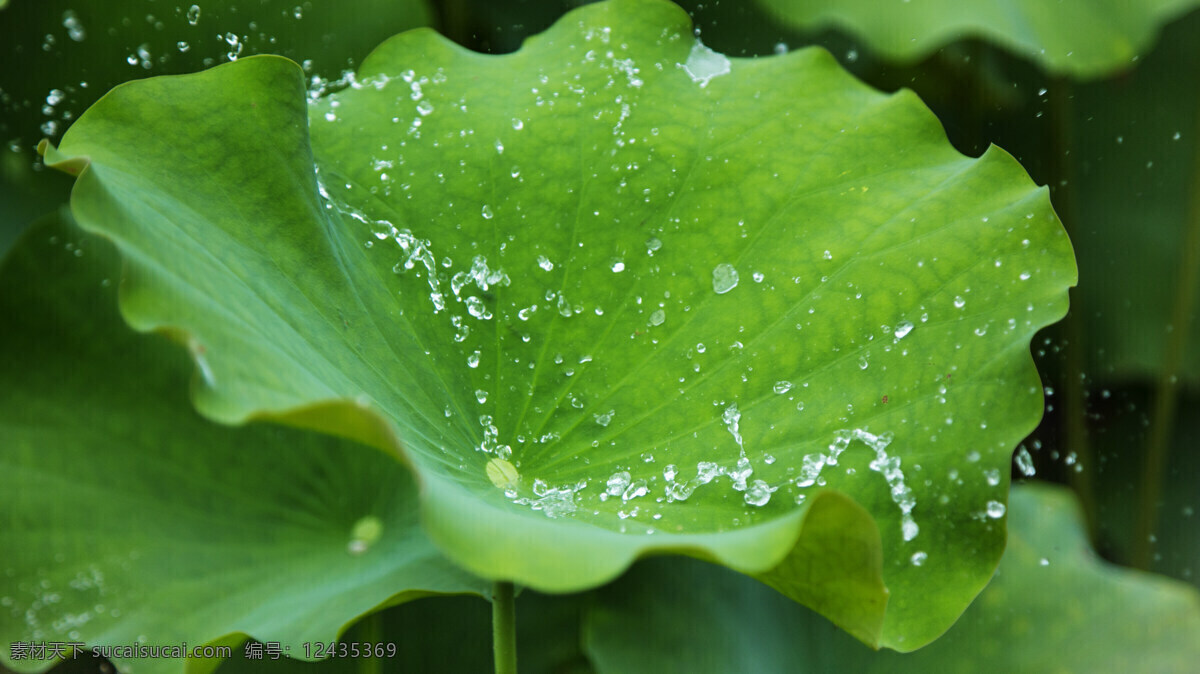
(1077,39)
(129,518)
(1038,614)
(525,266)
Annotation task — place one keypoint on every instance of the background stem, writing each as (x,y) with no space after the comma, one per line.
(371,633)
(1166,394)
(504,628)
(1074,414)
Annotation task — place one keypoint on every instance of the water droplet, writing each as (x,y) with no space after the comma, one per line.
(652,245)
(518,124)
(902,329)
(617,484)
(481,396)
(658,317)
(992,476)
(74,27)
(731,417)
(703,64)
(758,277)
(545,263)
(1025,462)
(782,387)
(193,14)
(365,533)
(1043,562)
(618,266)
(827,255)
(959,302)
(758,493)
(919,558)
(995,509)
(235,47)
(476,308)
(486,212)
(634,490)
(604,419)
(473,360)
(724,278)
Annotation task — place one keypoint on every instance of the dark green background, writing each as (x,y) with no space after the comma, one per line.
(1119,154)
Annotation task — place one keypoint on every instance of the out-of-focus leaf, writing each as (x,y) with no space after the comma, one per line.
(1079,38)
(62,55)
(1119,435)
(1135,169)
(126,518)
(1052,607)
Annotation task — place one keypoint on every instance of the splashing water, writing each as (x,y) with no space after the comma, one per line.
(703,64)
(888,466)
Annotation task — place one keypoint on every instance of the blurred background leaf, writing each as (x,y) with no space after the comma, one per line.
(60,56)
(1079,38)
(128,518)
(1052,607)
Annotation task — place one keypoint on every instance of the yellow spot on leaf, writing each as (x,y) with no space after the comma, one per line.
(503,474)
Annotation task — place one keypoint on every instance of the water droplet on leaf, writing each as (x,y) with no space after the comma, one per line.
(724,278)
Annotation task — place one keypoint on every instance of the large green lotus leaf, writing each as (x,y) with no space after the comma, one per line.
(128,518)
(1052,607)
(1078,38)
(613,294)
